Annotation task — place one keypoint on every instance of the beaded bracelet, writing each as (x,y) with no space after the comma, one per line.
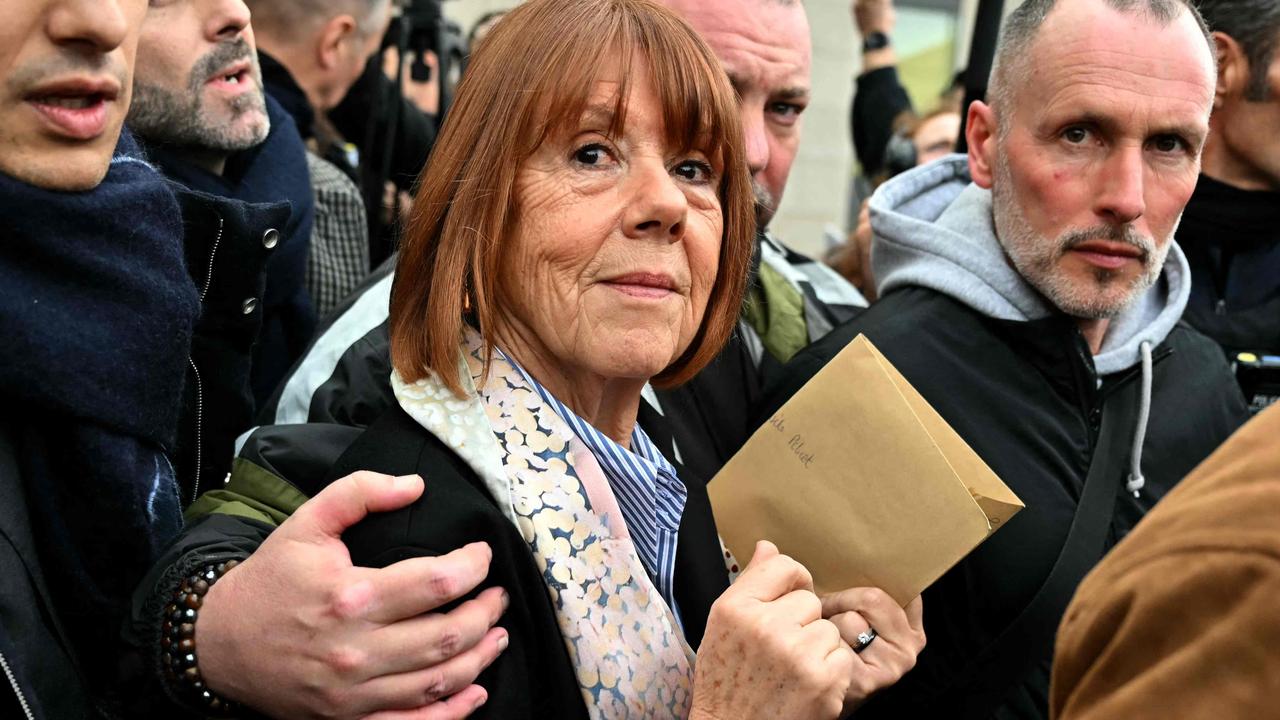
(178,639)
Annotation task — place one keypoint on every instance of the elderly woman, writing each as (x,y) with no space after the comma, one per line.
(584,228)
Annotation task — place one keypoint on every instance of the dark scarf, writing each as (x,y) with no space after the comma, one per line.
(96,312)
(272,171)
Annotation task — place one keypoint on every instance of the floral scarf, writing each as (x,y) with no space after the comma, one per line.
(629,655)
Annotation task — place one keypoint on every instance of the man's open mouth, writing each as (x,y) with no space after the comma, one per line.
(71,102)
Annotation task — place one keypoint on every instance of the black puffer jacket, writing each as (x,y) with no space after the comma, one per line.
(1015,378)
(1026,398)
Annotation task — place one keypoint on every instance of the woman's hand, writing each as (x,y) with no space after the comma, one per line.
(767,652)
(899,637)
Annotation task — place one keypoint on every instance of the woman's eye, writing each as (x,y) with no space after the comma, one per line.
(1075,135)
(594,154)
(694,171)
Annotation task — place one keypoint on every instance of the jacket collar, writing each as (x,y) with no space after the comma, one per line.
(278,82)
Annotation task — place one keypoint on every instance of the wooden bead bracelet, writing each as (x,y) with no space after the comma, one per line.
(178,640)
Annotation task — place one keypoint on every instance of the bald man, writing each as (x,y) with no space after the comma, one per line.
(1032,293)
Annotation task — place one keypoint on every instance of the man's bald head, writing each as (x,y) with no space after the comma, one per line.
(324,44)
(1012,64)
(297,18)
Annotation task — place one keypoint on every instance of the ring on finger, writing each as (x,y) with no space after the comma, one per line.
(865,639)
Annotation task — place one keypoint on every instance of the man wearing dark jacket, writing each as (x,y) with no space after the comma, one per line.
(1032,293)
(102,321)
(201,113)
(1231,229)
(82,389)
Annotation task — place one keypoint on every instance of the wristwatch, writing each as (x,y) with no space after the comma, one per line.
(875,41)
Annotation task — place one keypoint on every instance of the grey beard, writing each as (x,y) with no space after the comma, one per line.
(766,205)
(160,114)
(1036,257)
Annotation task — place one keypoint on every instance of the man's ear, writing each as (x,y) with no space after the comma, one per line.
(330,39)
(980,134)
(1233,69)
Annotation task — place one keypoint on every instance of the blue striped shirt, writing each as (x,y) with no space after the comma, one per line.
(649,493)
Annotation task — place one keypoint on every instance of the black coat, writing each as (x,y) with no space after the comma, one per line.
(226,248)
(40,676)
(534,677)
(270,172)
(1232,243)
(1025,396)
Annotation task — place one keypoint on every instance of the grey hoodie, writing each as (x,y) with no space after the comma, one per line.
(933,228)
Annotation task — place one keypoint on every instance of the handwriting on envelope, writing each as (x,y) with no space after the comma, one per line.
(859,479)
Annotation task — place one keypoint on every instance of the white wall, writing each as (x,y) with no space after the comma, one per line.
(818,190)
(465,12)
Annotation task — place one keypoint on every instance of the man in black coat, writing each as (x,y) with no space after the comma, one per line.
(109,296)
(1032,293)
(201,113)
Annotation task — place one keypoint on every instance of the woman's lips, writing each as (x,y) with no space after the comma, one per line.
(643,285)
(76,117)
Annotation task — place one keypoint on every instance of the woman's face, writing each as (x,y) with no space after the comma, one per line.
(616,244)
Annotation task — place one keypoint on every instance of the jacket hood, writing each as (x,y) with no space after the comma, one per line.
(933,228)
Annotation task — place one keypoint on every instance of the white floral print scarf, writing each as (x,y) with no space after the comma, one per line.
(630,657)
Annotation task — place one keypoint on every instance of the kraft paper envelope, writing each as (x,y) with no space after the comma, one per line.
(859,479)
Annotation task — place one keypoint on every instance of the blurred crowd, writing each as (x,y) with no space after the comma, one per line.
(359,365)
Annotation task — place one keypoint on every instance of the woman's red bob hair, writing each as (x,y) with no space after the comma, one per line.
(530,77)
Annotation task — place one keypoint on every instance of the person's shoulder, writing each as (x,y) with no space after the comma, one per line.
(1201,572)
(455,507)
(911,316)
(344,375)
(906,324)
(1186,340)
(1195,355)
(397,445)
(325,176)
(1216,605)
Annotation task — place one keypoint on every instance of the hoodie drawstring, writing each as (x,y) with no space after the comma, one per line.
(1136,480)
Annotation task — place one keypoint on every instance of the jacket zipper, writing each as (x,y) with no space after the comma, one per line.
(208,281)
(208,276)
(195,486)
(13,682)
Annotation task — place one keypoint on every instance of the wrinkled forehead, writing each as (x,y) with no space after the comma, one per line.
(764,45)
(1126,61)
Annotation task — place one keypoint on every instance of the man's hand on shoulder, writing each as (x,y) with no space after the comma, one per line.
(297,631)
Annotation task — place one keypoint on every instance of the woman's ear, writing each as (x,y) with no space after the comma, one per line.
(330,39)
(1233,69)
(980,133)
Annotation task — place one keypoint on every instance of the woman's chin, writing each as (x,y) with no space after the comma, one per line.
(638,361)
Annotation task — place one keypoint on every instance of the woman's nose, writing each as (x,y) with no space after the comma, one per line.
(657,205)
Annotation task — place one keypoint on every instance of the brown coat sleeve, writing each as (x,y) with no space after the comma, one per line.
(1182,619)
